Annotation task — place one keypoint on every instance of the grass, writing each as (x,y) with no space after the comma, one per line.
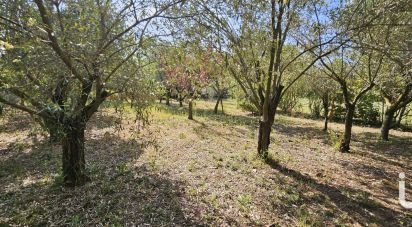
(177,172)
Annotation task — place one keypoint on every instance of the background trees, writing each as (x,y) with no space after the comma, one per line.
(386,33)
(356,74)
(322,93)
(186,73)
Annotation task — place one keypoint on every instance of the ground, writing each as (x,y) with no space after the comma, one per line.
(177,172)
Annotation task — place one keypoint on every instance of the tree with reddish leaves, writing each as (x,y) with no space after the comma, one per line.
(186,73)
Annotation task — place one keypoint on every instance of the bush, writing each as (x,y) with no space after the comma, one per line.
(366,112)
(290,102)
(247,106)
(315,106)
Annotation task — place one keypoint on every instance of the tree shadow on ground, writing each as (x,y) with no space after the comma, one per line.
(102,120)
(16,121)
(233,120)
(396,148)
(360,209)
(206,130)
(120,193)
(301,131)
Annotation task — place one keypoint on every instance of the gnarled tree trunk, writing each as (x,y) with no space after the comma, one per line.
(345,143)
(265,128)
(74,164)
(265,125)
(387,122)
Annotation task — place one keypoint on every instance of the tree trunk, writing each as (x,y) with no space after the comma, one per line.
(190,109)
(180,100)
(345,144)
(265,129)
(168,98)
(265,125)
(387,122)
(221,104)
(325,102)
(216,105)
(401,115)
(74,165)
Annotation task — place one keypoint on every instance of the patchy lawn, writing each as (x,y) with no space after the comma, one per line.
(204,172)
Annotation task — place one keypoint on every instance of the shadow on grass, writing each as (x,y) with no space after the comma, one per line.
(301,131)
(361,209)
(119,193)
(396,148)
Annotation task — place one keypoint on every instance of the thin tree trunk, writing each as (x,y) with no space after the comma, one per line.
(190,109)
(401,115)
(325,101)
(221,104)
(168,98)
(74,165)
(345,144)
(387,122)
(180,100)
(383,110)
(216,105)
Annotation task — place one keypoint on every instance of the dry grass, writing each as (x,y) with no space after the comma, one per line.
(204,172)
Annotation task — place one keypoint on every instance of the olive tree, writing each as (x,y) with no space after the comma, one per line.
(253,34)
(64,59)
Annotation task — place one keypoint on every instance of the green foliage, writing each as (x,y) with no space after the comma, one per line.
(244,102)
(315,106)
(245,200)
(290,102)
(246,105)
(367,111)
(333,139)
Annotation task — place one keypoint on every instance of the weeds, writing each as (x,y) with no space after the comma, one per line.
(245,201)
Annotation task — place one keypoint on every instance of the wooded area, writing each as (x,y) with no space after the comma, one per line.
(205,112)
